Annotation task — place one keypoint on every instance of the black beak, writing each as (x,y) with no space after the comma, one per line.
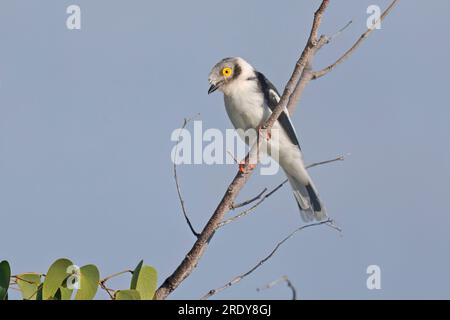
(213,88)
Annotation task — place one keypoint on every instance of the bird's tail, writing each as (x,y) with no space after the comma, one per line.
(311,208)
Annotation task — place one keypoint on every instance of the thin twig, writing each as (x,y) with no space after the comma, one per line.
(24,280)
(111,295)
(282,279)
(252,208)
(338,33)
(260,263)
(291,286)
(232,156)
(177,184)
(247,202)
(334,226)
(103,281)
(312,165)
(307,74)
(321,73)
(115,275)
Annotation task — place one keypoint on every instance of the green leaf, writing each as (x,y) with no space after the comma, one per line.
(63,293)
(135,273)
(144,280)
(29,285)
(90,276)
(39,292)
(56,274)
(5,277)
(127,295)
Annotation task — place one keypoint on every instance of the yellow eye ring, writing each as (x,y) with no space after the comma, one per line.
(227,72)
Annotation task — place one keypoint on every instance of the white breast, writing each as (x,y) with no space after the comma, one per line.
(245,105)
(246,109)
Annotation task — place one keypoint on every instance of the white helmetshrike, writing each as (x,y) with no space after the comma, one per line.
(249,100)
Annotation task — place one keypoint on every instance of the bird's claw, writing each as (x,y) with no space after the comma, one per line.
(242,167)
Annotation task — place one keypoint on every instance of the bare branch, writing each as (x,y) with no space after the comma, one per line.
(102,282)
(192,258)
(291,286)
(260,263)
(307,74)
(301,85)
(177,184)
(355,46)
(334,226)
(312,165)
(338,33)
(247,202)
(108,290)
(275,282)
(291,95)
(317,22)
(252,208)
(289,98)
(262,199)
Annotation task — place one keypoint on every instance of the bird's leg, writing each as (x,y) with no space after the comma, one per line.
(261,132)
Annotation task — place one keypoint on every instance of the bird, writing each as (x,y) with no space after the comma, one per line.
(249,99)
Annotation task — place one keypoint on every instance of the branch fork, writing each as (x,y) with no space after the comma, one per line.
(300,77)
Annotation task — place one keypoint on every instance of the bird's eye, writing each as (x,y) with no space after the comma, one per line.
(227,72)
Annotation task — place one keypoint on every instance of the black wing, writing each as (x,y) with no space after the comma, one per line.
(272,97)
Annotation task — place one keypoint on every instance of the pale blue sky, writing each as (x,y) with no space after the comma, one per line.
(86,118)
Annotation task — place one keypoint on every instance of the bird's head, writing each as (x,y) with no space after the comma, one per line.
(227,72)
